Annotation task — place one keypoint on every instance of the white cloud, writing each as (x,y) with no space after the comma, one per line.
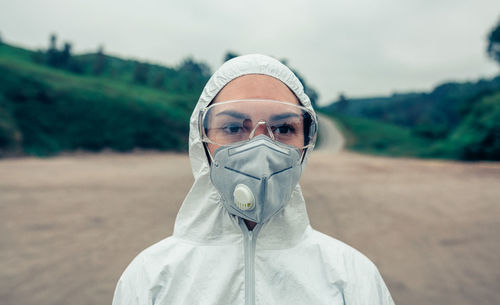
(356,47)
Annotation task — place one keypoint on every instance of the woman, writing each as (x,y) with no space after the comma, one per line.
(242,235)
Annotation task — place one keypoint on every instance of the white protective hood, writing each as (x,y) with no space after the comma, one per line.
(209,222)
(212,258)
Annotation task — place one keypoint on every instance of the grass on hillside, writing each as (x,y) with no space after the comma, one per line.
(44,111)
(477,136)
(370,136)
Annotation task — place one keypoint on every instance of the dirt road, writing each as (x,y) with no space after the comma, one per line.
(70,225)
(331,139)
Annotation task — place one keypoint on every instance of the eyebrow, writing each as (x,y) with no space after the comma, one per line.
(234,114)
(285,115)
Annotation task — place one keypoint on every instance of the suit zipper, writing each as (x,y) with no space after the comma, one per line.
(250,242)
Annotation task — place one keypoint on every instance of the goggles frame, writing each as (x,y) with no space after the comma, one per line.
(313,133)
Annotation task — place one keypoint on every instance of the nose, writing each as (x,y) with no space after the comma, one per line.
(261,128)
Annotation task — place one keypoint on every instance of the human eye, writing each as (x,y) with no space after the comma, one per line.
(232,128)
(284,129)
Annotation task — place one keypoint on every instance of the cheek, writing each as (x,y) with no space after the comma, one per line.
(299,142)
(212,148)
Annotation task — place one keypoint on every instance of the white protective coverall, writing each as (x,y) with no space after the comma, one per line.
(212,258)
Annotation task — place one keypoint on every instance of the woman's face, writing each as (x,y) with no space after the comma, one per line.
(255,86)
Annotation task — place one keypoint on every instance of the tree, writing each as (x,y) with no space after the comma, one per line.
(494,43)
(99,61)
(310,91)
(478,135)
(230,55)
(159,79)
(52,53)
(141,73)
(342,103)
(189,65)
(53,42)
(65,55)
(58,58)
(193,75)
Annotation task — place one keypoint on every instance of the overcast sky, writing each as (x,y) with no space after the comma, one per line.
(358,47)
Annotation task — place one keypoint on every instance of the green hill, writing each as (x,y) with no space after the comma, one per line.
(373,137)
(53,101)
(45,110)
(455,120)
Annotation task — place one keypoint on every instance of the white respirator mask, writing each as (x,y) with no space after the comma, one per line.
(259,145)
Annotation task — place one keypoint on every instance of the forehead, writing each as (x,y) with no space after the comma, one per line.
(254,110)
(256,86)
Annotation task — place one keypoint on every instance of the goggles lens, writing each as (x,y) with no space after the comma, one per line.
(225,123)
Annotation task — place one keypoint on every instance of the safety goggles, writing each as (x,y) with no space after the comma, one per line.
(229,122)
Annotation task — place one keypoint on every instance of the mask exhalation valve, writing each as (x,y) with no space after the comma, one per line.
(243,197)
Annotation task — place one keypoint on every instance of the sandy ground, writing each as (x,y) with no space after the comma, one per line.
(70,225)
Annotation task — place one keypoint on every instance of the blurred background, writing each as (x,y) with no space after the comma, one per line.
(95,99)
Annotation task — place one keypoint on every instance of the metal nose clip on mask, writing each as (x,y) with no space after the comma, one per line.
(256,178)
